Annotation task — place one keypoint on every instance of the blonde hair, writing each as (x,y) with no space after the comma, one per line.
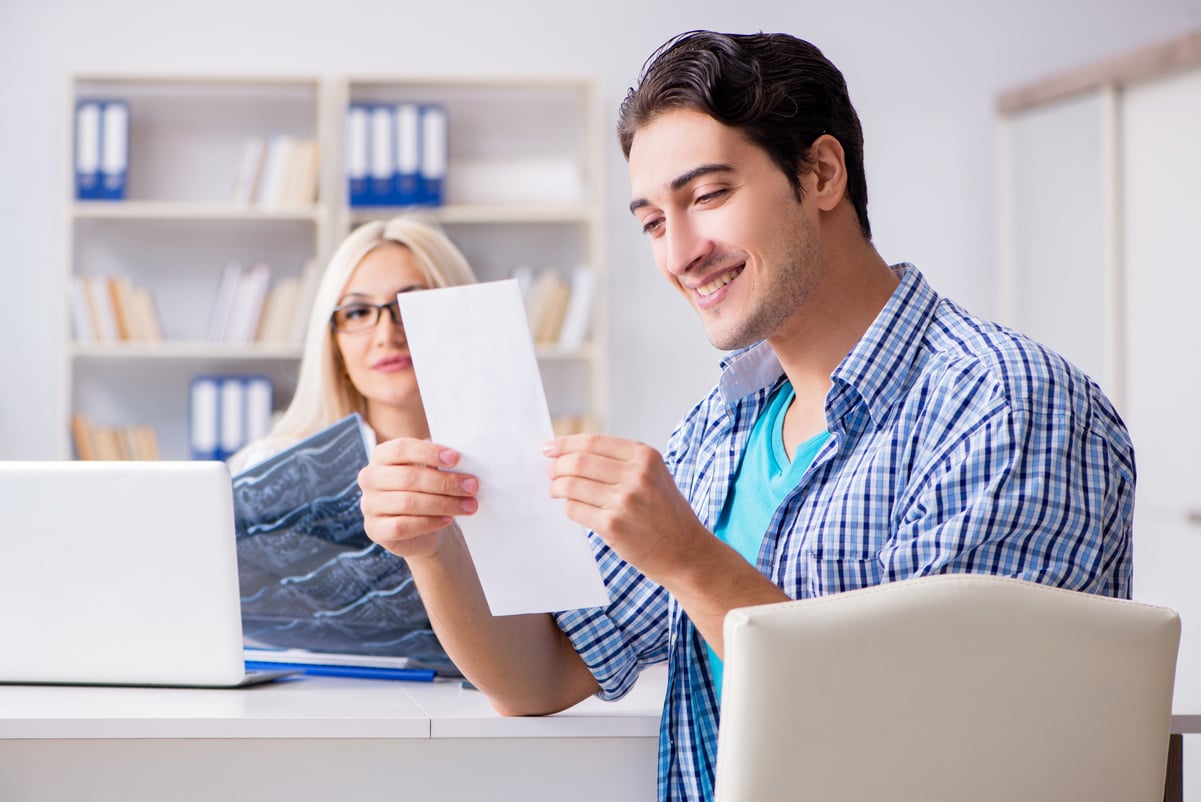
(323,394)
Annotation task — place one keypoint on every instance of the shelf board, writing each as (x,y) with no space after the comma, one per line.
(517,212)
(176,349)
(185,210)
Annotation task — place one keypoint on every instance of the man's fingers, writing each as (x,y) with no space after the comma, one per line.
(599,444)
(587,465)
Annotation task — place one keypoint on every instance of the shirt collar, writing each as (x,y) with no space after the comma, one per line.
(748,370)
(878,367)
(874,370)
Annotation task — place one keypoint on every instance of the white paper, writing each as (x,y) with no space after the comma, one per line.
(475,364)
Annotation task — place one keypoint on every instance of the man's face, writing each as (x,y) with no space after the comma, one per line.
(726,226)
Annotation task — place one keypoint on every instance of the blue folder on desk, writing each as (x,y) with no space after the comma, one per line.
(339,665)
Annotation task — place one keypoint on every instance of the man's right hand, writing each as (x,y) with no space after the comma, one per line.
(410,494)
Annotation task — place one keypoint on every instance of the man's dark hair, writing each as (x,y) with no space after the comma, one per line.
(780,92)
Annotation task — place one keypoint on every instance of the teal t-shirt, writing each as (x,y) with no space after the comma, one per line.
(765,476)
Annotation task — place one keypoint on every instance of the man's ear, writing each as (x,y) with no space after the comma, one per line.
(824,174)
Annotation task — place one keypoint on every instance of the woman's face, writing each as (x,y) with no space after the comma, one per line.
(377,357)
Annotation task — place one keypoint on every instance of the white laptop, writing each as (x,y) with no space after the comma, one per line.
(120,573)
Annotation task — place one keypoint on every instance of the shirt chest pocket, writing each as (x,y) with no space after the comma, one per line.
(826,575)
(846,556)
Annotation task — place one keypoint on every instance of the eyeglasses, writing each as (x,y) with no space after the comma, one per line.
(359,316)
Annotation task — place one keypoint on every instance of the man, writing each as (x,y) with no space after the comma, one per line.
(865,430)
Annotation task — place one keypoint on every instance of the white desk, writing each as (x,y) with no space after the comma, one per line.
(323,739)
(320,738)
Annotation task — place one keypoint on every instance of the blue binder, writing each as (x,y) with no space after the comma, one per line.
(435,147)
(408,154)
(87,149)
(382,161)
(114,149)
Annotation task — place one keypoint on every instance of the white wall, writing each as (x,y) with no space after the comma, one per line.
(923,75)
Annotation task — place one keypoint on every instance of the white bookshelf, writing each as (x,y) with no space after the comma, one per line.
(177,227)
(523,188)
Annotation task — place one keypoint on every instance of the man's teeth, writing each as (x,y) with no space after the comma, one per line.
(719,282)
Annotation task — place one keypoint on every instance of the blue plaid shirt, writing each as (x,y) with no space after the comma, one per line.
(956,446)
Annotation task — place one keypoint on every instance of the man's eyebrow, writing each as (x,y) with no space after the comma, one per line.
(683,180)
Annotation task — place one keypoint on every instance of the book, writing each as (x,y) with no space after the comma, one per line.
(145,316)
(82,322)
(227,291)
(546,304)
(573,332)
(247,304)
(250,165)
(145,443)
(310,577)
(301,188)
(101,307)
(106,440)
(273,179)
(275,323)
(81,436)
(120,293)
(310,278)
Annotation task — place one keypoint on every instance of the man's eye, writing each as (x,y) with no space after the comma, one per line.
(708,197)
(652,225)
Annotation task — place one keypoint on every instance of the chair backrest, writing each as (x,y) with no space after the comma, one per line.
(956,688)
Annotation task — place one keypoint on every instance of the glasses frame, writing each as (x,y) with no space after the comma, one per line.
(392,306)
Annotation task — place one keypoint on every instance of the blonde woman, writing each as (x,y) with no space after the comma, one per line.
(356,359)
(355,354)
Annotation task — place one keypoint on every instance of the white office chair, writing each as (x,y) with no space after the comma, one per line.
(958,688)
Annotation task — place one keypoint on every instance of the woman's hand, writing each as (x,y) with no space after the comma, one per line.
(410,494)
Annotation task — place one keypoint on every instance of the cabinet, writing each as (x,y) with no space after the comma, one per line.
(1100,206)
(523,190)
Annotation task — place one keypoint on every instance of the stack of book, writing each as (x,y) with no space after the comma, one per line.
(276,172)
(558,310)
(396,155)
(94,442)
(109,309)
(249,308)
